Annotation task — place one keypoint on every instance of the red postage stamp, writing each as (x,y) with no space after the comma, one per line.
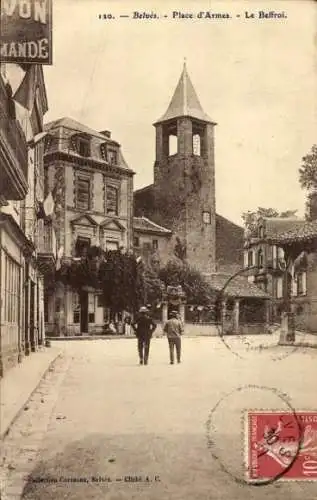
(281,445)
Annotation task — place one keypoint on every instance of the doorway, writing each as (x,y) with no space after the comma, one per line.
(84,312)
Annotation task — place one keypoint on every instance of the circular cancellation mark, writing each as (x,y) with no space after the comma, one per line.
(242,320)
(254,434)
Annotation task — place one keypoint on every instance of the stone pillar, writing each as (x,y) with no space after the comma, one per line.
(223,315)
(182,312)
(267,315)
(236,315)
(164,312)
(185,136)
(287,332)
(68,310)
(159,143)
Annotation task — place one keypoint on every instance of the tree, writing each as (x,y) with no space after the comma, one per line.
(195,286)
(113,272)
(251,218)
(308,170)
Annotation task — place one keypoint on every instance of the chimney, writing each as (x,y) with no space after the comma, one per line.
(312,205)
(106,133)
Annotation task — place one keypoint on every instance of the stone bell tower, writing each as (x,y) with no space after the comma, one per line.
(184,175)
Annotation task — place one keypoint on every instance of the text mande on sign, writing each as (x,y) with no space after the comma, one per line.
(26,31)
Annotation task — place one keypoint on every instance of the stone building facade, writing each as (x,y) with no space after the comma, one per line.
(182,197)
(151,241)
(280,257)
(93,191)
(23,103)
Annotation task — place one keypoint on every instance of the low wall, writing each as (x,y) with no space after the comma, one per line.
(209,329)
(190,329)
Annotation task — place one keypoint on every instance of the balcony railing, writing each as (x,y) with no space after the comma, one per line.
(13,151)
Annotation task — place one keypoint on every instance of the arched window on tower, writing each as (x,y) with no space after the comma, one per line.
(196,145)
(170,139)
(172,145)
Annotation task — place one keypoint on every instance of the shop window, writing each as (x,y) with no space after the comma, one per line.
(76,308)
(11,298)
(112,198)
(91,308)
(83,195)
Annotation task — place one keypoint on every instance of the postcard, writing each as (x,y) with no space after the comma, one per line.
(158,249)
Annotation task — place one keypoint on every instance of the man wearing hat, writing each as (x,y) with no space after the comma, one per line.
(174,329)
(144,328)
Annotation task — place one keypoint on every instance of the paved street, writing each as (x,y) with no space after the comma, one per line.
(99,420)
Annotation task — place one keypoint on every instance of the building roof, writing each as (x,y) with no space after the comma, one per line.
(185,101)
(299,232)
(143,224)
(79,128)
(75,125)
(237,287)
(275,226)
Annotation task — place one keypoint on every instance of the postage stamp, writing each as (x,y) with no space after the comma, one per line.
(281,445)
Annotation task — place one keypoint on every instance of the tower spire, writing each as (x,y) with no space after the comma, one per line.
(185,101)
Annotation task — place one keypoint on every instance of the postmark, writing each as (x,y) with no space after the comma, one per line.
(229,443)
(245,332)
(280,446)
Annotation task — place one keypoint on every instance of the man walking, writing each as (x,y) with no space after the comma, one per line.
(144,328)
(174,329)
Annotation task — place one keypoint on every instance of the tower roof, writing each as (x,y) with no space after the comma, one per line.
(185,101)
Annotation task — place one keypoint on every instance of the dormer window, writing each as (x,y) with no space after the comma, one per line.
(109,154)
(83,147)
(81,144)
(112,156)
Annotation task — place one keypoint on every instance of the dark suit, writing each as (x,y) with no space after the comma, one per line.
(144,328)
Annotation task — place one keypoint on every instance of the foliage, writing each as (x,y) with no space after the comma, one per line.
(115,273)
(308,170)
(152,285)
(251,218)
(194,284)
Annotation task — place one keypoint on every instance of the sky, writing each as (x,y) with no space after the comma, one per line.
(256,78)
